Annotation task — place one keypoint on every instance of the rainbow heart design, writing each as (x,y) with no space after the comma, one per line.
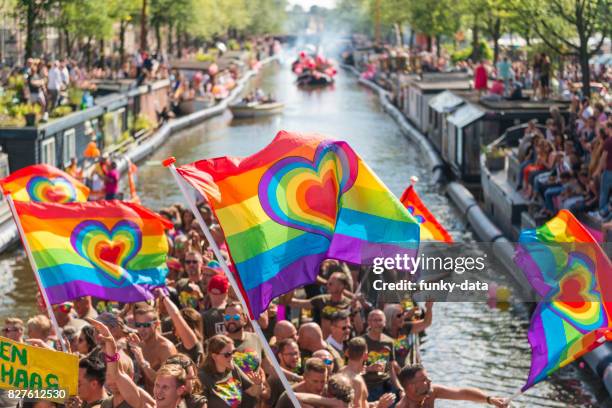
(51,190)
(304,194)
(108,251)
(577,299)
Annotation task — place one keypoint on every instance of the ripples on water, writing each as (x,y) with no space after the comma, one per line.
(469,344)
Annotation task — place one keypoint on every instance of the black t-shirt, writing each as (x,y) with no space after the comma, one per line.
(324,308)
(379,351)
(196,353)
(402,344)
(213,322)
(226,389)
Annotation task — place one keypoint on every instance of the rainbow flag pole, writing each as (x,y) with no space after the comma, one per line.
(24,241)
(169,163)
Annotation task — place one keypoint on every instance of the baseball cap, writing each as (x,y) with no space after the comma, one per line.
(218,282)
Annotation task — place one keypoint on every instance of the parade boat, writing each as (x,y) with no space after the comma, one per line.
(314,79)
(313,70)
(256,109)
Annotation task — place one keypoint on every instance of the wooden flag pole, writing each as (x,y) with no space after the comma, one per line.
(169,163)
(24,241)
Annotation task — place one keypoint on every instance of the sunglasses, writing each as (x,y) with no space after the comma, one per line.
(228,354)
(64,308)
(11,329)
(327,361)
(144,324)
(344,328)
(229,317)
(191,261)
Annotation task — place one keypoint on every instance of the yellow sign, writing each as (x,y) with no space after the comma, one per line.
(24,367)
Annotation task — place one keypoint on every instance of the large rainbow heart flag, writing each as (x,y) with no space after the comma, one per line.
(112,250)
(300,200)
(573,275)
(431,229)
(44,183)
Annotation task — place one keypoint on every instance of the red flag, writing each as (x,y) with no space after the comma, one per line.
(431,229)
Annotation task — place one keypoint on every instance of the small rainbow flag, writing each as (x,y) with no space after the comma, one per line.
(45,184)
(431,229)
(568,268)
(300,200)
(112,250)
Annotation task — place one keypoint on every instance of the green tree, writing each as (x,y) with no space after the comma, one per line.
(435,18)
(123,11)
(567,26)
(31,13)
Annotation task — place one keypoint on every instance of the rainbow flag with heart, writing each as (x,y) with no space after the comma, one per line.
(300,200)
(45,184)
(112,250)
(572,274)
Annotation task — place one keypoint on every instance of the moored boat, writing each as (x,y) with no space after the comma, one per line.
(256,109)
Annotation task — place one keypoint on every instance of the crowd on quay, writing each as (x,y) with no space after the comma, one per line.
(47,81)
(193,346)
(569,165)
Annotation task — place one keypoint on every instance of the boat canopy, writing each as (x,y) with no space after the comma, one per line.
(465,115)
(445,102)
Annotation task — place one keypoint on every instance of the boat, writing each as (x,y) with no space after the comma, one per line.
(314,79)
(256,109)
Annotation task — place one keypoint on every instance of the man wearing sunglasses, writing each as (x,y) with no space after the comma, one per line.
(66,316)
(13,329)
(289,359)
(340,331)
(249,352)
(154,348)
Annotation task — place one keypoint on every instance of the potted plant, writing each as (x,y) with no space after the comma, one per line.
(496,158)
(28,111)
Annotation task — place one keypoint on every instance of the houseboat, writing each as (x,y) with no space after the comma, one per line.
(476,122)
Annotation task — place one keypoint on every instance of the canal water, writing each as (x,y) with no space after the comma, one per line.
(468,344)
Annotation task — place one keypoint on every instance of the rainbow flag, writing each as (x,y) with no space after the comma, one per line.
(112,250)
(45,184)
(431,229)
(300,200)
(568,268)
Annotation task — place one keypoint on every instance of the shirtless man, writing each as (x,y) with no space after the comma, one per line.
(421,393)
(154,348)
(357,353)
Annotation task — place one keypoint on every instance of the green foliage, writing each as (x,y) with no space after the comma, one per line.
(142,122)
(60,111)
(200,56)
(233,45)
(485,52)
(24,109)
(17,83)
(75,95)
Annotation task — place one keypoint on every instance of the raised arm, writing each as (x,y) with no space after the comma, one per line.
(132,394)
(420,325)
(183,331)
(468,394)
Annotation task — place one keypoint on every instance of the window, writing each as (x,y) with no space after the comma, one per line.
(69,146)
(47,151)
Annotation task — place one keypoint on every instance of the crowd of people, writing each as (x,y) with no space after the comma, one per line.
(193,346)
(569,165)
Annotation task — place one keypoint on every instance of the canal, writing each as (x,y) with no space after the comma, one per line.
(468,344)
